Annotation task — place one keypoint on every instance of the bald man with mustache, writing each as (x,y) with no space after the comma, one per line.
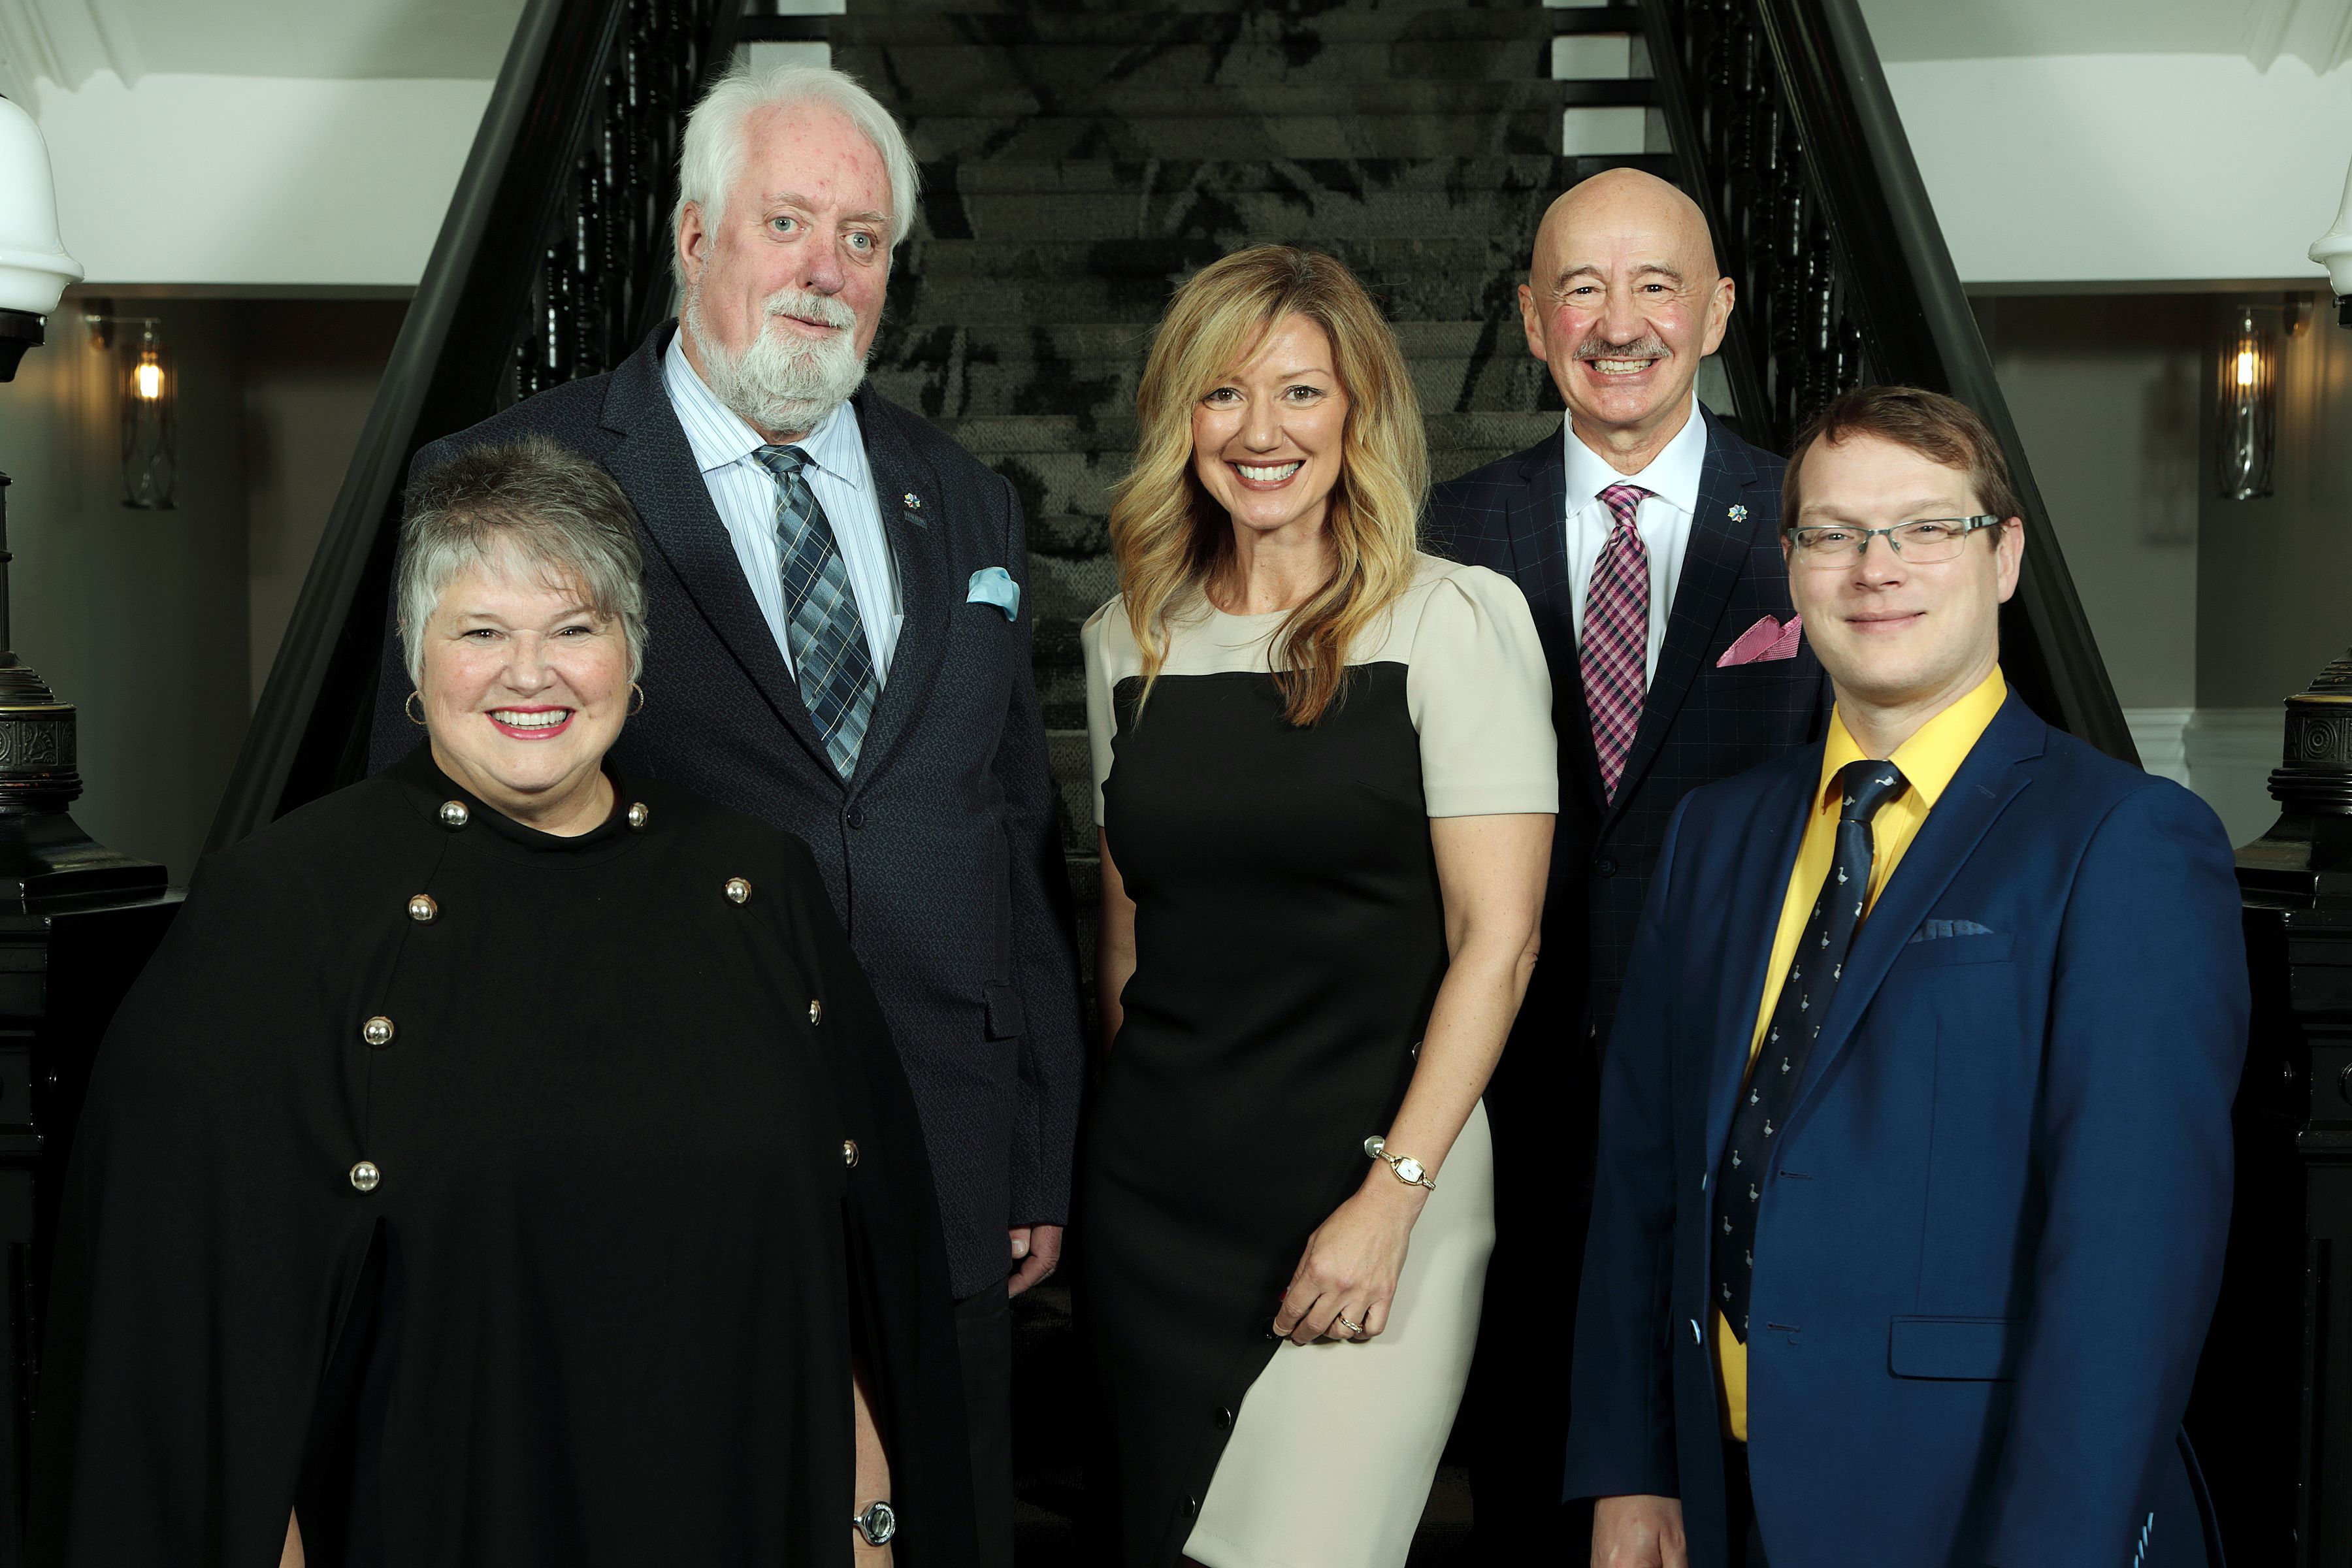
(1645,535)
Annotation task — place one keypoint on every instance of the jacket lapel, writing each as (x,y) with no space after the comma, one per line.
(653,462)
(1712,561)
(1758,888)
(919,545)
(1978,793)
(1536,518)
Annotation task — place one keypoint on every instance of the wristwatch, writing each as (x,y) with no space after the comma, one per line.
(877,1524)
(1407,1169)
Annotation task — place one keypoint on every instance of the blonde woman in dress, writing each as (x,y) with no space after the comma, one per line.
(1325,778)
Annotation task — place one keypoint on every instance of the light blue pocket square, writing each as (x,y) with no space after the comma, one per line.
(994,585)
(1937,930)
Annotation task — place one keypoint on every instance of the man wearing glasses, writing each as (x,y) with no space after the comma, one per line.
(1915,1155)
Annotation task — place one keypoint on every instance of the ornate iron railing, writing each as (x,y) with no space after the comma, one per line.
(552,264)
(1784,131)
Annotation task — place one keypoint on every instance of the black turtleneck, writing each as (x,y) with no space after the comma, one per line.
(489,1190)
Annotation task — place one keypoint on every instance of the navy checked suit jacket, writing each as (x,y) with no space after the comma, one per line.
(1698,722)
(940,850)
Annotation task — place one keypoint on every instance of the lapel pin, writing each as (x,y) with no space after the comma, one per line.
(913,500)
(1739,515)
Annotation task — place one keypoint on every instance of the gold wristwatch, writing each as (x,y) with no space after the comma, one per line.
(1407,1169)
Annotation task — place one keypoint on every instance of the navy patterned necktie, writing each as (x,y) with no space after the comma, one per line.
(821,631)
(1779,1064)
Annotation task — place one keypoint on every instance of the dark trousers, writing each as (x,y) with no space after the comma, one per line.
(1513,1429)
(984,1345)
(1746,1538)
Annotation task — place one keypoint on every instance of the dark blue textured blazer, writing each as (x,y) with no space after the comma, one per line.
(1992,1226)
(940,851)
(1698,722)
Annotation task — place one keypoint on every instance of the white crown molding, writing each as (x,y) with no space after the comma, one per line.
(64,41)
(2316,32)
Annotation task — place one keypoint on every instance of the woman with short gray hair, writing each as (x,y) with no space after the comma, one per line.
(504,1160)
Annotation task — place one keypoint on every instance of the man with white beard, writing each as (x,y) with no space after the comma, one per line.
(838,643)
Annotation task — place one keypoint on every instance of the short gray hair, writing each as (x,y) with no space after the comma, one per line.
(712,155)
(528,503)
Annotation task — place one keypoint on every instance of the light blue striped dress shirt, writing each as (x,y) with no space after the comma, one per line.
(745,495)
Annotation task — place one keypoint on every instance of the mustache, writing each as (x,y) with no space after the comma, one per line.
(1649,345)
(822,309)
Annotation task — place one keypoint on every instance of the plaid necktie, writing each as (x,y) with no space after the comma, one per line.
(1797,1016)
(821,631)
(1616,655)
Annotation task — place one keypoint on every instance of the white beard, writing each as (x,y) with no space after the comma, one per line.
(786,384)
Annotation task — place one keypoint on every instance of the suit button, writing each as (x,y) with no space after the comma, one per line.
(1224,1420)
(1604,867)
(854,816)
(1191,1507)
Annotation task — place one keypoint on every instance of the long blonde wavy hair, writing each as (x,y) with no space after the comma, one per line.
(1173,538)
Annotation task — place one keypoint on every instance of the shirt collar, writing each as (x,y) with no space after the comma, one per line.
(1930,758)
(718,437)
(1673,475)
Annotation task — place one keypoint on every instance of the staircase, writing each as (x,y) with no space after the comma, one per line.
(1079,165)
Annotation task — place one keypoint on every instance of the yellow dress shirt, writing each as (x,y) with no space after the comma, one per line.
(1928,760)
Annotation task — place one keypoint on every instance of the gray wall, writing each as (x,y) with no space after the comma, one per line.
(2275,575)
(161,626)
(2106,393)
(311,373)
(138,618)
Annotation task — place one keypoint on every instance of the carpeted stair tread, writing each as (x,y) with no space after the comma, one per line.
(919,72)
(868,27)
(1200,134)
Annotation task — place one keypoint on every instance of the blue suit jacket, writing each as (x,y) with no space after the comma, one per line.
(1992,1227)
(940,851)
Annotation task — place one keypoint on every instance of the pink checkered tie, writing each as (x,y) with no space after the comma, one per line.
(1616,650)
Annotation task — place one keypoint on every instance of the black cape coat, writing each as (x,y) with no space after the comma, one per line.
(564,1260)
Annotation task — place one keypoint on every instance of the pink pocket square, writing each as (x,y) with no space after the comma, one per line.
(1765,641)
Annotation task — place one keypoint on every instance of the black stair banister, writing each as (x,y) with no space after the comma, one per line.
(561,216)
(1785,131)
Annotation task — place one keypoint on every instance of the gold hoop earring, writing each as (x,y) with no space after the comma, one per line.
(641,700)
(409,708)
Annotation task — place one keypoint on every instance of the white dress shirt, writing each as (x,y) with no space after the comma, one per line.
(745,494)
(1664,519)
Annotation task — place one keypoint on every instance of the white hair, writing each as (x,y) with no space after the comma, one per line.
(712,155)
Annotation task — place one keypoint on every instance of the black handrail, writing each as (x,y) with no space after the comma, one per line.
(1784,131)
(551,223)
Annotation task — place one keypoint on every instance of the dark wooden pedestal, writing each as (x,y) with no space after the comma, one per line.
(2272,1414)
(61,975)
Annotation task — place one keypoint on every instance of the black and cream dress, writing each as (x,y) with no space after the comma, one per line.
(1289,939)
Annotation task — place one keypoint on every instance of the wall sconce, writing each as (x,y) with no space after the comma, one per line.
(2249,407)
(2248,396)
(150,392)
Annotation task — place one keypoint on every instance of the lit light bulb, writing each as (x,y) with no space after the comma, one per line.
(147,381)
(2245,367)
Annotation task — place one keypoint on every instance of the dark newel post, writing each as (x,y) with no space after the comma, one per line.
(78,922)
(2272,1417)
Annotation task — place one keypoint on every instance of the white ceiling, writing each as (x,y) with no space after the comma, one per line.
(2316,32)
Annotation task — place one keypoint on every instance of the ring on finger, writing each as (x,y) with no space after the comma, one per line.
(1353,1329)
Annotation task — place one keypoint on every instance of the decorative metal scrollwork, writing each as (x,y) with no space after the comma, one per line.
(608,256)
(1796,313)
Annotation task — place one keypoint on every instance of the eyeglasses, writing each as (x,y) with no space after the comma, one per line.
(1922,543)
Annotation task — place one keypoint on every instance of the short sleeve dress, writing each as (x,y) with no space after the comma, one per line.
(1289,939)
